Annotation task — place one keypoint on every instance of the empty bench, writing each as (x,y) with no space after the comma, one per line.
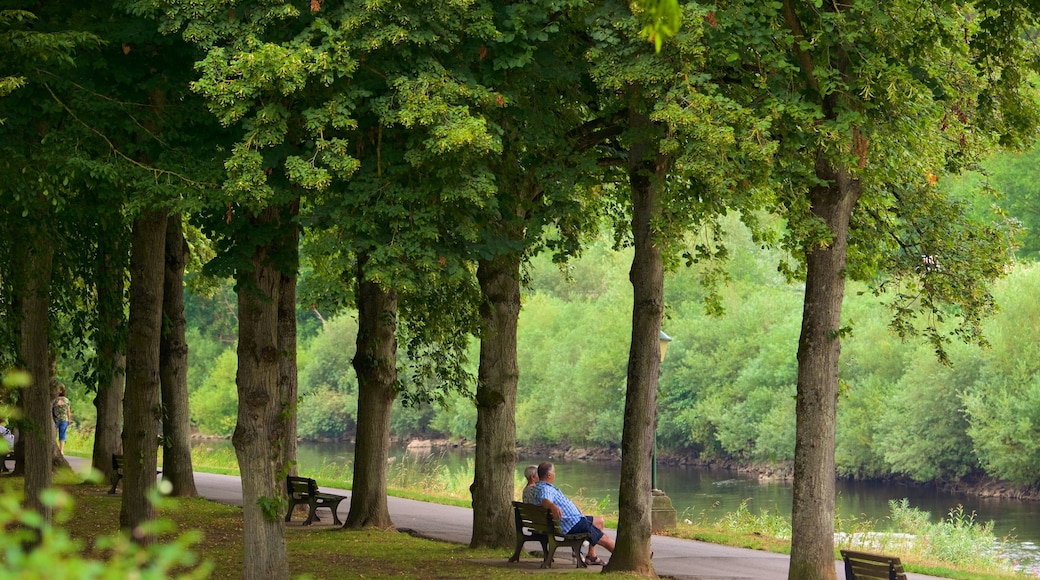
(864,566)
(536,524)
(304,490)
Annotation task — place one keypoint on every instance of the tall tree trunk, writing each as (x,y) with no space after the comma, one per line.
(376,367)
(108,431)
(173,368)
(141,412)
(497,376)
(260,433)
(632,553)
(111,357)
(819,345)
(37,433)
(288,371)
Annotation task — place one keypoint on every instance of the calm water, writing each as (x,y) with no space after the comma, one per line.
(697,493)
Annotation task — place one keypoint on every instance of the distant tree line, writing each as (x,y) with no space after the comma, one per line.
(728,382)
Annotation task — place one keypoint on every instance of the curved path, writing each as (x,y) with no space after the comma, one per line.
(673,557)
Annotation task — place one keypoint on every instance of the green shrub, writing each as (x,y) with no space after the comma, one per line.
(35,548)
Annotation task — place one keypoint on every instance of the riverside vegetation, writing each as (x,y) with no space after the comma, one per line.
(203,539)
(727,386)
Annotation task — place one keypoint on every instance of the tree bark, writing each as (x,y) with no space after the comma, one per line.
(376,367)
(497,376)
(173,368)
(111,357)
(141,412)
(819,346)
(288,370)
(37,434)
(632,551)
(261,429)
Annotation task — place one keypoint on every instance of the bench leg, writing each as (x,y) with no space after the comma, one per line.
(115,482)
(579,560)
(335,516)
(519,548)
(550,551)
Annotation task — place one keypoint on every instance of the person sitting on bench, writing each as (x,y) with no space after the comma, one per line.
(572,521)
(531,474)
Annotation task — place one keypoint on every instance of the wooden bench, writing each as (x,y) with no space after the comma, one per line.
(536,524)
(117,471)
(864,566)
(304,490)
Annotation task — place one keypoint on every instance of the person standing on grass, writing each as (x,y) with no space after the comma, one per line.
(61,410)
(572,521)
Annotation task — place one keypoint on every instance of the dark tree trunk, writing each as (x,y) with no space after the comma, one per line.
(497,376)
(111,345)
(173,368)
(819,345)
(288,371)
(111,357)
(632,553)
(288,374)
(376,367)
(261,429)
(141,410)
(15,312)
(37,433)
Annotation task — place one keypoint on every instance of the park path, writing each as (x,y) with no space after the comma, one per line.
(673,558)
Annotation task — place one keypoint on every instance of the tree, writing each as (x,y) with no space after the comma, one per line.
(544,177)
(173,367)
(262,424)
(36,218)
(376,367)
(686,152)
(141,404)
(871,103)
(110,271)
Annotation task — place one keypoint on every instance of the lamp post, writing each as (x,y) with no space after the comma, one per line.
(665,339)
(662,514)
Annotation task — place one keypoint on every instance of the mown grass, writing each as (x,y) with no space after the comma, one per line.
(953,549)
(317,551)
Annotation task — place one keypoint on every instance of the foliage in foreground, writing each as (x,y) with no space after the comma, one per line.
(105,554)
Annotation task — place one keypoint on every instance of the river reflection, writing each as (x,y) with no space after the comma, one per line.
(702,494)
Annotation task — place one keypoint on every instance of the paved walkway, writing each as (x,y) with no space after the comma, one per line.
(673,558)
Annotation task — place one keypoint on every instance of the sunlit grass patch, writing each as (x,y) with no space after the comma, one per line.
(431,474)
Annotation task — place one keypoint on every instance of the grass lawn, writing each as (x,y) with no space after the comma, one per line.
(317,551)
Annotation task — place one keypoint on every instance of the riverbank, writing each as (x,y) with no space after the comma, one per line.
(976,485)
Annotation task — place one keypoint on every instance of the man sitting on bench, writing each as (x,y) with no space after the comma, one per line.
(572,521)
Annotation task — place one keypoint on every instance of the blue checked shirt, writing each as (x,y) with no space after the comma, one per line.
(570,514)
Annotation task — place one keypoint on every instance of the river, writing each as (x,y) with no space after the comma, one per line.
(703,494)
